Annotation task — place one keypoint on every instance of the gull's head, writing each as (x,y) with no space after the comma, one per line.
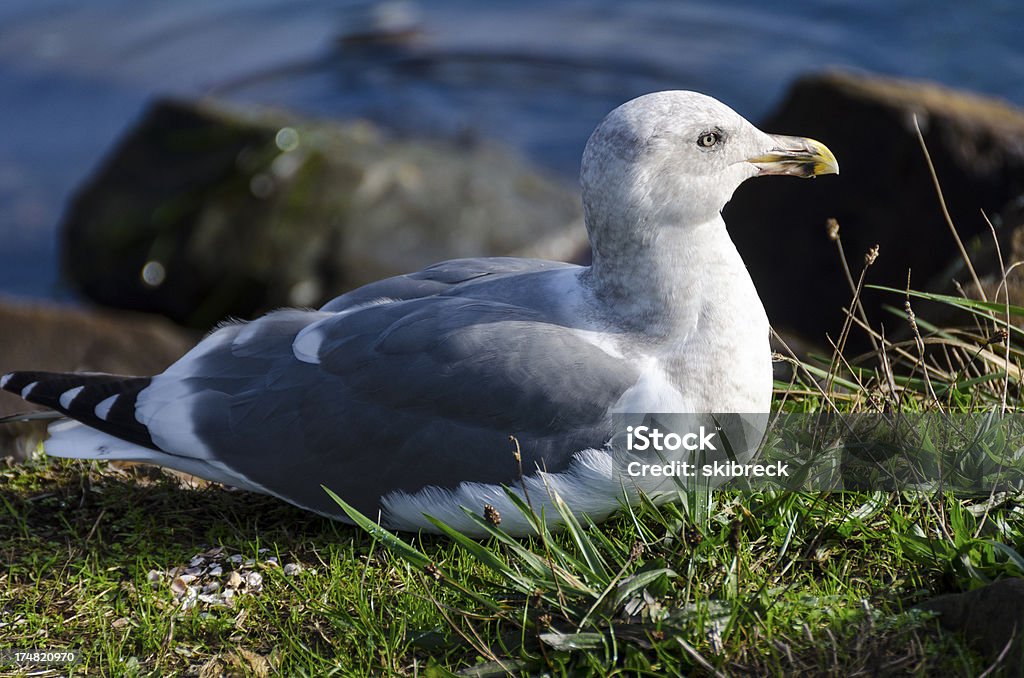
(675,158)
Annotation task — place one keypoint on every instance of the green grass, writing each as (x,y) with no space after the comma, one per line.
(767,583)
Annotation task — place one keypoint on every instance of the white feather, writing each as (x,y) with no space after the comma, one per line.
(166,406)
(652,392)
(68,397)
(588,487)
(167,409)
(103,408)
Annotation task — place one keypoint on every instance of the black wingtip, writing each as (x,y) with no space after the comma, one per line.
(82,396)
(15,382)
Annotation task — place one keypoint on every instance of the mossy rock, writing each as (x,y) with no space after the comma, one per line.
(205,211)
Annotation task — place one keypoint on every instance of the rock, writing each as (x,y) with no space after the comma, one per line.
(992,618)
(884,194)
(55,338)
(985,252)
(204,211)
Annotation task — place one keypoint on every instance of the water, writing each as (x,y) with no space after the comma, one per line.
(535,75)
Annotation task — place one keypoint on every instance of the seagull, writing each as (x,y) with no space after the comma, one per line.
(404,397)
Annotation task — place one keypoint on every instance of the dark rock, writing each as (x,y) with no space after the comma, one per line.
(989,256)
(991,617)
(56,338)
(884,194)
(204,212)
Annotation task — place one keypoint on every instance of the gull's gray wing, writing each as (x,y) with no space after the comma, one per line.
(441,278)
(421,390)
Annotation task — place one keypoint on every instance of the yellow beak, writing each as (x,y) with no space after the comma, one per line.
(796,157)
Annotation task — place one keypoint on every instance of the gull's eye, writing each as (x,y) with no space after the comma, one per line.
(709,139)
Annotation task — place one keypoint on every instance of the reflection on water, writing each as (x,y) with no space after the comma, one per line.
(536,75)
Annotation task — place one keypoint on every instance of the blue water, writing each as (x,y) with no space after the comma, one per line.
(534,75)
